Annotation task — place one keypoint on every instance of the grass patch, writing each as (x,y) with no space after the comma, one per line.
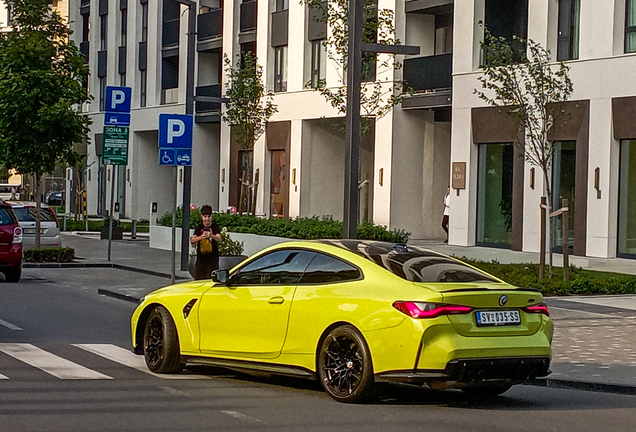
(582,282)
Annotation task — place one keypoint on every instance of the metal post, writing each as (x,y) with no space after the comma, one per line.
(110,216)
(189,109)
(544,205)
(352,133)
(174,226)
(133,233)
(566,240)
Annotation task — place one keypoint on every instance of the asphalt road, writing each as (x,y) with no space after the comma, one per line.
(65,365)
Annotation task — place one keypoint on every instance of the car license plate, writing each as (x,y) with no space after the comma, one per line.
(29,230)
(497,318)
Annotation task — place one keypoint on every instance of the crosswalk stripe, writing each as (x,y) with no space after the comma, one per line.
(9,325)
(3,376)
(128,358)
(48,362)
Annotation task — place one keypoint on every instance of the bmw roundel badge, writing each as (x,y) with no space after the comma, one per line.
(503,300)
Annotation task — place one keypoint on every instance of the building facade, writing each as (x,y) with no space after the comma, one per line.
(297,167)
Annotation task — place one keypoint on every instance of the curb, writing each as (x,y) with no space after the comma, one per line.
(118,296)
(101,265)
(584,386)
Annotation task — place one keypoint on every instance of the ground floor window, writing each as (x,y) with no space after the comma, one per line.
(627,199)
(494,194)
(563,184)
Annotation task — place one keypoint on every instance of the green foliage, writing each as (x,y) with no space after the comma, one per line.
(298,228)
(378,96)
(227,246)
(249,106)
(93,225)
(42,73)
(582,282)
(56,255)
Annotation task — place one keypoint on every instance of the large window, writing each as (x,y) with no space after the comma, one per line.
(280,69)
(494,194)
(569,29)
(317,63)
(627,199)
(507,19)
(630,26)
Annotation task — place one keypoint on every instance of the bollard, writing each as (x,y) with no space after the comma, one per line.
(133,234)
(64,223)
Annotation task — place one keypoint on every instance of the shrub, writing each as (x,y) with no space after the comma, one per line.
(227,246)
(58,255)
(298,228)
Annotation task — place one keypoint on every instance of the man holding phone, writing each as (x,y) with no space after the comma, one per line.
(206,236)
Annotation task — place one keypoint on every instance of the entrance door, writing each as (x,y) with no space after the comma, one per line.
(494,194)
(563,182)
(279,188)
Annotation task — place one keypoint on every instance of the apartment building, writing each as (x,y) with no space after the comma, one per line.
(406,156)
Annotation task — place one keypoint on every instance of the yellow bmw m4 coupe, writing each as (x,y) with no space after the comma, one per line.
(351,314)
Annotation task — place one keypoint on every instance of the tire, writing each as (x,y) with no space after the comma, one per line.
(345,367)
(13,275)
(161,343)
(486,391)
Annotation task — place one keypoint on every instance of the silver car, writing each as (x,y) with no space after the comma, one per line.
(49,227)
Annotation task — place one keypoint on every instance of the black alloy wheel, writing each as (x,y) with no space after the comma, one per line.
(161,343)
(344,366)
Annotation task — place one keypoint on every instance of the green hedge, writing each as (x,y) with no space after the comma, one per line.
(582,282)
(57,255)
(94,225)
(298,228)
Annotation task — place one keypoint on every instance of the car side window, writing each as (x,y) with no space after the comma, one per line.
(5,219)
(283,267)
(324,268)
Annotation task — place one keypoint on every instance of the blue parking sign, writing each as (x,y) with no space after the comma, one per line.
(175,130)
(183,157)
(118,99)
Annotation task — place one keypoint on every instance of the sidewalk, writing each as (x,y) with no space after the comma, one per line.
(594,346)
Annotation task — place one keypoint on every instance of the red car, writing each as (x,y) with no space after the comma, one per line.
(10,244)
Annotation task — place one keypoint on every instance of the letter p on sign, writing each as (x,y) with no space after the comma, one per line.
(118,99)
(175,130)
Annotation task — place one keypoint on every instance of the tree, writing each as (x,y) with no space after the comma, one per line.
(532,90)
(42,76)
(377,97)
(248,106)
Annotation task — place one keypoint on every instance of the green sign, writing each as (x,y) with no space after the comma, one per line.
(115,145)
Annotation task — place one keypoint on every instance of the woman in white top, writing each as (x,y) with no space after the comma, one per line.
(446,212)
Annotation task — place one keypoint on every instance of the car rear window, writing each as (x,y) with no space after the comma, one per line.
(413,263)
(6,217)
(27,214)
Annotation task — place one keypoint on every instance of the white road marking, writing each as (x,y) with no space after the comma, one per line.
(48,362)
(9,325)
(3,376)
(128,358)
(237,415)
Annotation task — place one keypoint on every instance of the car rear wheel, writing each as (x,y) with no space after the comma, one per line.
(161,343)
(344,366)
(13,275)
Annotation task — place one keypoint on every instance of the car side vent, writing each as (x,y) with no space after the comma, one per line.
(187,308)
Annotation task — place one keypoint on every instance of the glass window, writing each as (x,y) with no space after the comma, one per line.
(627,199)
(569,30)
(324,268)
(280,69)
(563,184)
(283,267)
(443,34)
(494,194)
(630,26)
(104,32)
(5,217)
(282,5)
(27,214)
(317,72)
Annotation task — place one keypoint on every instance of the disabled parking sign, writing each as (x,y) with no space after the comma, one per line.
(175,139)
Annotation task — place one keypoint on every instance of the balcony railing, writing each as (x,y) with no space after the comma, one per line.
(85,50)
(248,16)
(213,90)
(170,34)
(429,73)
(210,24)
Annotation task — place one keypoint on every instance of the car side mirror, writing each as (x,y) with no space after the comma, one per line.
(220,276)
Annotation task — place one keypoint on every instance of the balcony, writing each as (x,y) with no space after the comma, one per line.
(170,33)
(248,16)
(85,50)
(213,90)
(429,73)
(210,24)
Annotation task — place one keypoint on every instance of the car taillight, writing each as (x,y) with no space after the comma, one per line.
(540,308)
(429,310)
(17,235)
(57,224)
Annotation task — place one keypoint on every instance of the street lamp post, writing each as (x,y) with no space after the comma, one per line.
(189,109)
(352,131)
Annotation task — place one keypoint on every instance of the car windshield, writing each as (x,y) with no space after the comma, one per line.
(413,263)
(27,214)
(5,217)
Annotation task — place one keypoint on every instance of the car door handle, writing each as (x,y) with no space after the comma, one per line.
(276,300)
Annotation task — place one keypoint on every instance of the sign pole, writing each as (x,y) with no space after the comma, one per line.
(174,226)
(110,218)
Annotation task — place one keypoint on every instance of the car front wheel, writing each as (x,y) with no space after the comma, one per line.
(161,343)
(345,367)
(13,275)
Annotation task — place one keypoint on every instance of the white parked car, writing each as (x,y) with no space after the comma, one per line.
(49,226)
